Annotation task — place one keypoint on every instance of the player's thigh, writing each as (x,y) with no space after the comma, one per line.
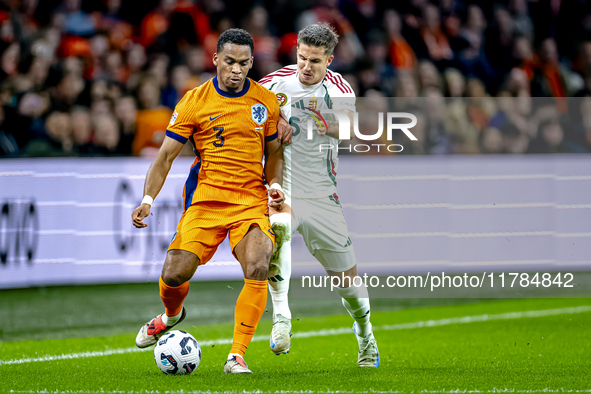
(179,267)
(338,263)
(252,240)
(349,273)
(253,252)
(322,224)
(200,231)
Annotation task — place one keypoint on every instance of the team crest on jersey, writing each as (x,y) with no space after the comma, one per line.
(173,119)
(313,104)
(258,113)
(282,98)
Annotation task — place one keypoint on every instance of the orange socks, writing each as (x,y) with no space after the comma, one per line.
(173,297)
(249,310)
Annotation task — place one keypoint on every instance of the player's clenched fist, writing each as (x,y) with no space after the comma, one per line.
(276,198)
(139,214)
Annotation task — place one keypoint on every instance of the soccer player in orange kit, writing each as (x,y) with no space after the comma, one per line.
(231,122)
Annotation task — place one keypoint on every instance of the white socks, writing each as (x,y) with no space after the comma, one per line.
(279,288)
(280,265)
(356,301)
(170,320)
(282,218)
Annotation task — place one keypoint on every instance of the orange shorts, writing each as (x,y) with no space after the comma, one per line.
(204,225)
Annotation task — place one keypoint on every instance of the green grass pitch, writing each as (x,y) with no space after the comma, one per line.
(429,345)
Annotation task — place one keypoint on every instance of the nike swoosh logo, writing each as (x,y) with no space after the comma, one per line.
(242,324)
(210,118)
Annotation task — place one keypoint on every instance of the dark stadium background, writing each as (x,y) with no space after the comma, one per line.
(501,91)
(101,77)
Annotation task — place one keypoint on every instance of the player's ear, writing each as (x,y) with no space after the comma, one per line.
(215,59)
(251,62)
(329,60)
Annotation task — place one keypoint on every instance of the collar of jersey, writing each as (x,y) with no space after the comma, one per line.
(230,94)
(310,86)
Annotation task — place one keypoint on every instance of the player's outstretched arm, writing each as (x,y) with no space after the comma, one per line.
(274,171)
(284,131)
(156,176)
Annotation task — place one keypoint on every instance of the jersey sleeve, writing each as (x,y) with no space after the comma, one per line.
(271,84)
(182,123)
(341,93)
(267,82)
(272,119)
(343,101)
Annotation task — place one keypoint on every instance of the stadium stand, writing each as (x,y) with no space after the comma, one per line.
(100,77)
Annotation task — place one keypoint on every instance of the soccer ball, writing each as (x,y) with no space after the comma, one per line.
(177,353)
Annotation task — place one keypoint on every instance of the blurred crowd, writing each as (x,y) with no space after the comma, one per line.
(102,77)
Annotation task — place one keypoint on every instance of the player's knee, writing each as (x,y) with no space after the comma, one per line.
(257,270)
(174,279)
(179,267)
(174,275)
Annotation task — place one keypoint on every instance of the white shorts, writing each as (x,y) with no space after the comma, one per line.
(322,224)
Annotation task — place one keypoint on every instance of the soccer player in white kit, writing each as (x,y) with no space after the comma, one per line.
(309,184)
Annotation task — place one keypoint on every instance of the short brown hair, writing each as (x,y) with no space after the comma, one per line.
(319,35)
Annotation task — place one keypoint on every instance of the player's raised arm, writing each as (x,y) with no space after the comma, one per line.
(155,178)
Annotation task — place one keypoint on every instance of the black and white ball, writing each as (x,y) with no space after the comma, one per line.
(177,353)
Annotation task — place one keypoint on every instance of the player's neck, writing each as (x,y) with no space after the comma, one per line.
(311,85)
(224,91)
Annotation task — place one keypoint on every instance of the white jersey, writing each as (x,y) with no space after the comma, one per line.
(310,165)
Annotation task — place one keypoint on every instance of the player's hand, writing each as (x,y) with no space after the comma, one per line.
(284,131)
(321,130)
(139,214)
(276,199)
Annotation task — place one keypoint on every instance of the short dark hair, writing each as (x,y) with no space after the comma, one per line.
(236,37)
(319,35)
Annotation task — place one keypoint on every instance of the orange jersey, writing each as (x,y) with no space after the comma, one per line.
(228,132)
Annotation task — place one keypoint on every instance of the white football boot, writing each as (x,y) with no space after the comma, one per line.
(369,356)
(281,335)
(236,364)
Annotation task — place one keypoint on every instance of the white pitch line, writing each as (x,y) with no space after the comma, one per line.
(324,333)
